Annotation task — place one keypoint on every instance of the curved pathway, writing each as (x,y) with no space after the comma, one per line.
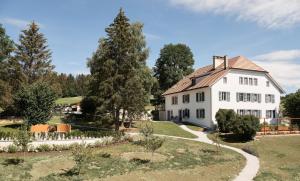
(252,162)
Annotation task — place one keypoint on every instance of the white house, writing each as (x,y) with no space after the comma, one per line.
(237,84)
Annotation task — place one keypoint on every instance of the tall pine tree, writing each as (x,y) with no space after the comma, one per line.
(33,54)
(116,69)
(6,47)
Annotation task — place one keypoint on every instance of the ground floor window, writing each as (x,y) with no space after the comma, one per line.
(186,113)
(200,113)
(256,113)
(169,115)
(270,114)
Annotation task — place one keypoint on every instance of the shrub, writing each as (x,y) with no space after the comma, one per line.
(23,138)
(81,155)
(153,143)
(35,102)
(225,119)
(12,148)
(146,129)
(44,148)
(246,126)
(88,106)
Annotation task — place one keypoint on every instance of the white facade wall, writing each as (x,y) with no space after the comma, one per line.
(212,103)
(233,87)
(192,106)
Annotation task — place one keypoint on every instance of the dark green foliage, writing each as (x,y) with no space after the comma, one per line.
(119,76)
(33,54)
(35,103)
(225,118)
(175,61)
(291,104)
(6,47)
(153,143)
(88,106)
(246,126)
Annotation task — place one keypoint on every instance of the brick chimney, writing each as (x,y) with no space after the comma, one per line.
(218,60)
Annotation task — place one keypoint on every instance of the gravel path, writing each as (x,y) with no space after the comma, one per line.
(252,162)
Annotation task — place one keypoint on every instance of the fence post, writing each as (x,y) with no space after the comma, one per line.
(264,126)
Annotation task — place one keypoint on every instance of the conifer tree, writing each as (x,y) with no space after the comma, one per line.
(116,70)
(6,47)
(33,55)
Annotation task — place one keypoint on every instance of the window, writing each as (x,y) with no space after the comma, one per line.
(256,113)
(193,81)
(248,97)
(186,98)
(246,80)
(186,113)
(200,113)
(224,80)
(269,98)
(268,84)
(170,115)
(241,80)
(174,100)
(270,114)
(224,96)
(255,81)
(250,81)
(200,97)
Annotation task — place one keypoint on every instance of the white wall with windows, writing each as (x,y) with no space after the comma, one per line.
(194,108)
(250,93)
(246,92)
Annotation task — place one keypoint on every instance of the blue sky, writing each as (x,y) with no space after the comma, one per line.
(267,32)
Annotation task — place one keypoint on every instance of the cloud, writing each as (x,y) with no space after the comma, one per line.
(283,65)
(18,22)
(272,14)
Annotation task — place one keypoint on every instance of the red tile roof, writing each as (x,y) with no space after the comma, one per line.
(207,75)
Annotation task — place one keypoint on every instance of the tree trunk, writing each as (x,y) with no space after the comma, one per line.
(123,115)
(117,120)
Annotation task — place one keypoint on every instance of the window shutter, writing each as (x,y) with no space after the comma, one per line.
(259,97)
(228,96)
(220,96)
(203,96)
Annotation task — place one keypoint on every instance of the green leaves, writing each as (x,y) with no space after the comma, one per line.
(35,102)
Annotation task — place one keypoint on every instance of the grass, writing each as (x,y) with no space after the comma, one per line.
(55,120)
(279,156)
(195,128)
(171,129)
(185,160)
(68,100)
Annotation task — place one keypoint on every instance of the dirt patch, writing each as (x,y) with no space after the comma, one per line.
(49,166)
(156,157)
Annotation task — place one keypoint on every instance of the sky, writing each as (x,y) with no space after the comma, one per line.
(267,32)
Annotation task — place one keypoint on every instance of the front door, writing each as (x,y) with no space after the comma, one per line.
(180,114)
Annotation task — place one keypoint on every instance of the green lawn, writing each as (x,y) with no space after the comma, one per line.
(170,128)
(68,100)
(195,128)
(54,120)
(175,160)
(279,156)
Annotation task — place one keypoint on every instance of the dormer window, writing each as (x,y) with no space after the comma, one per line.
(193,81)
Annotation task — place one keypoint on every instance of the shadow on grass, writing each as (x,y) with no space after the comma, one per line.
(139,161)
(233,138)
(13,161)
(14,126)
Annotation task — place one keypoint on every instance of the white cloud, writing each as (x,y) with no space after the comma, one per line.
(283,65)
(18,22)
(273,14)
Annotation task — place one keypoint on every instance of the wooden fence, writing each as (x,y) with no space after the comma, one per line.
(281,126)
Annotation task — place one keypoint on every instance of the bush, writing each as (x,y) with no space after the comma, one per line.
(153,143)
(146,129)
(225,119)
(246,126)
(88,106)
(81,155)
(35,102)
(44,148)
(23,138)
(12,149)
